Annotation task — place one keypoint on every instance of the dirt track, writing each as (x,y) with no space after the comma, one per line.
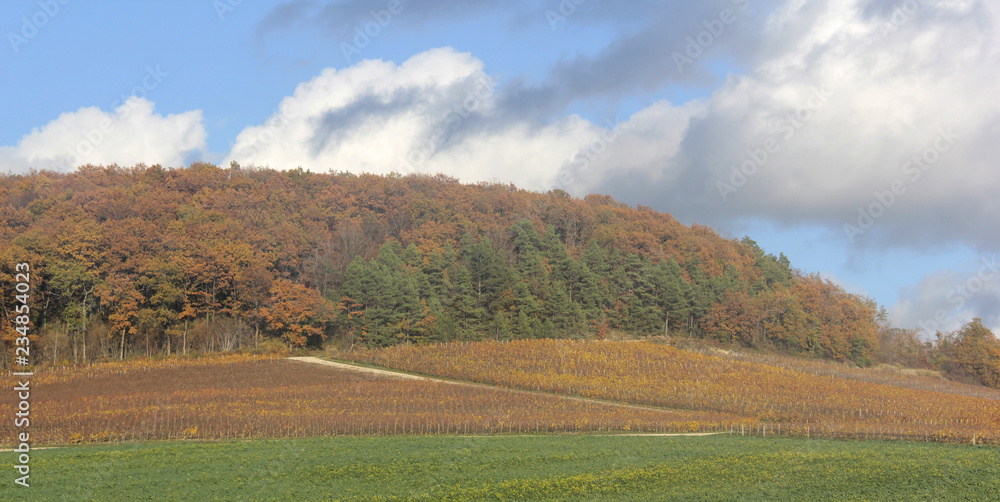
(362,369)
(395,374)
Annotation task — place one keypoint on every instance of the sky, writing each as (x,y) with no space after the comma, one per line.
(858,137)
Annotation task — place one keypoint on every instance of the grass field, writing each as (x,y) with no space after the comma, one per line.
(542,467)
(290,430)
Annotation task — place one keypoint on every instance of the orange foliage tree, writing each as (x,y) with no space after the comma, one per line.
(204,246)
(297,313)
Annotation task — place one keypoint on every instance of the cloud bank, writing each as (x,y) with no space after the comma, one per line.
(945,300)
(854,118)
(133,133)
(436,112)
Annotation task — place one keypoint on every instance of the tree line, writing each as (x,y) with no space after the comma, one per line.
(149,260)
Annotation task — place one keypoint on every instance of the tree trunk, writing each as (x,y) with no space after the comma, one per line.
(83,313)
(55,347)
(211,332)
(185,343)
(123,344)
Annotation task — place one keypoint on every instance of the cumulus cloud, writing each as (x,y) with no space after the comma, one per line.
(650,48)
(945,300)
(662,43)
(131,134)
(436,112)
(879,118)
(642,145)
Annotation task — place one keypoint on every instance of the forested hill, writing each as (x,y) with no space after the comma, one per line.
(150,260)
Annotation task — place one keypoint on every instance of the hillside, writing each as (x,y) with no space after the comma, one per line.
(264,396)
(489,387)
(796,401)
(147,260)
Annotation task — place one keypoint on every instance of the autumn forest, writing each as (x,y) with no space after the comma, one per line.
(147,260)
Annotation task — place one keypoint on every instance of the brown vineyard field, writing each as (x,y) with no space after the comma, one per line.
(244,396)
(883,374)
(807,400)
(539,383)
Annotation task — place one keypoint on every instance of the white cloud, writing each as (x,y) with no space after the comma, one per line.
(646,142)
(889,96)
(946,300)
(131,134)
(434,113)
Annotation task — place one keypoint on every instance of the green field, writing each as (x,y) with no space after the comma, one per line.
(555,467)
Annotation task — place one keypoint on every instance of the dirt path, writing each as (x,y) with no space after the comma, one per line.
(408,376)
(363,369)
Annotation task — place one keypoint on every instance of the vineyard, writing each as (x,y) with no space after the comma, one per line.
(797,402)
(531,386)
(886,375)
(246,396)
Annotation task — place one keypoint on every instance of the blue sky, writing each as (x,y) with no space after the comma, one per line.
(856,136)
